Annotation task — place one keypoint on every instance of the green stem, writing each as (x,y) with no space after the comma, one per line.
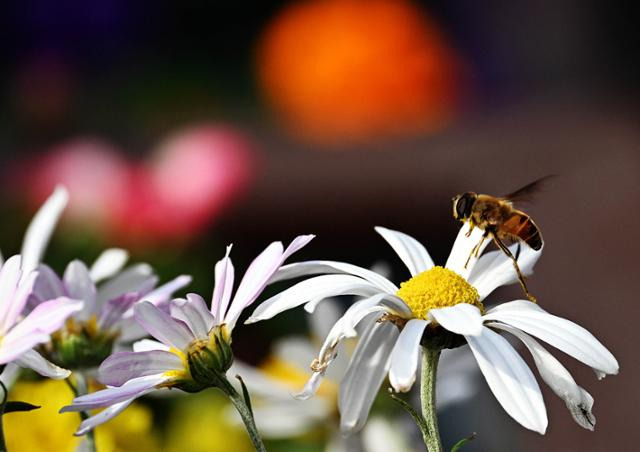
(430,357)
(244,410)
(3,446)
(81,388)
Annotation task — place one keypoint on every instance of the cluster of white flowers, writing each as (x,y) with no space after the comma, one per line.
(86,319)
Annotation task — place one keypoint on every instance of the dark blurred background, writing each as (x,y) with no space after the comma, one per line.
(180,127)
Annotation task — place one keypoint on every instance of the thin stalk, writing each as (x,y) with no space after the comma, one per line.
(3,446)
(430,357)
(244,410)
(79,389)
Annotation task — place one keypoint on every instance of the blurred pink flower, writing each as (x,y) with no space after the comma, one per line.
(191,177)
(95,173)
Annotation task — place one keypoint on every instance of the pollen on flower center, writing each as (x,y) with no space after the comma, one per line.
(437,288)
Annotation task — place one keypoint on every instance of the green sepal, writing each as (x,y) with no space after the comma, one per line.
(457,446)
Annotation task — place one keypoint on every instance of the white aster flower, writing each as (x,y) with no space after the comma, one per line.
(279,415)
(441,299)
(194,341)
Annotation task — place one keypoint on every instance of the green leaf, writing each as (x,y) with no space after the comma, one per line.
(422,425)
(457,446)
(13,406)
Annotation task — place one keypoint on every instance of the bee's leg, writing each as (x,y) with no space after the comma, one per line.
(471,226)
(521,277)
(476,249)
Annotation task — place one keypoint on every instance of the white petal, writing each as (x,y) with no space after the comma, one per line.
(164,292)
(80,286)
(510,380)
(224,276)
(108,264)
(578,401)
(10,275)
(15,306)
(461,251)
(104,416)
(308,268)
(121,367)
(105,397)
(149,344)
(367,369)
(34,360)
(137,278)
(405,355)
(463,318)
(496,269)
(312,289)
(325,316)
(162,326)
(258,275)
(41,227)
(561,333)
(410,251)
(194,313)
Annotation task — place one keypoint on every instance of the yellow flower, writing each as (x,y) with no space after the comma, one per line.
(29,431)
(201,423)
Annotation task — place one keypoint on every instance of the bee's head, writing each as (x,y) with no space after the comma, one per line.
(462,205)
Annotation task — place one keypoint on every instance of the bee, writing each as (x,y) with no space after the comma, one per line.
(500,221)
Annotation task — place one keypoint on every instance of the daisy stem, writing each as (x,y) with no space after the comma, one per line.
(79,389)
(244,409)
(430,357)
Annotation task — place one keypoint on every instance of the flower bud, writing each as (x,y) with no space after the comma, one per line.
(209,359)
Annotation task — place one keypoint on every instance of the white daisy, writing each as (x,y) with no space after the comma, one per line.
(442,300)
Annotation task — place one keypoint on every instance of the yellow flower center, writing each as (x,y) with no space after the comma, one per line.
(437,288)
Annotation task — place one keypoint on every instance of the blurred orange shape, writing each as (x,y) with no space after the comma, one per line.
(351,70)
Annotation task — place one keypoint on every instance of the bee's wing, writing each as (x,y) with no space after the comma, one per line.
(526,193)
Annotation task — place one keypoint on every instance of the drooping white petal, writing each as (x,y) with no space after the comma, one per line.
(457,377)
(367,369)
(194,313)
(121,367)
(316,288)
(33,360)
(408,249)
(496,269)
(578,401)
(80,286)
(41,227)
(462,248)
(510,379)
(108,264)
(297,244)
(561,333)
(224,277)
(105,397)
(162,326)
(104,416)
(309,268)
(462,318)
(405,355)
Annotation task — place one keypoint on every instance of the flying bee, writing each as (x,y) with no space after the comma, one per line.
(499,220)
